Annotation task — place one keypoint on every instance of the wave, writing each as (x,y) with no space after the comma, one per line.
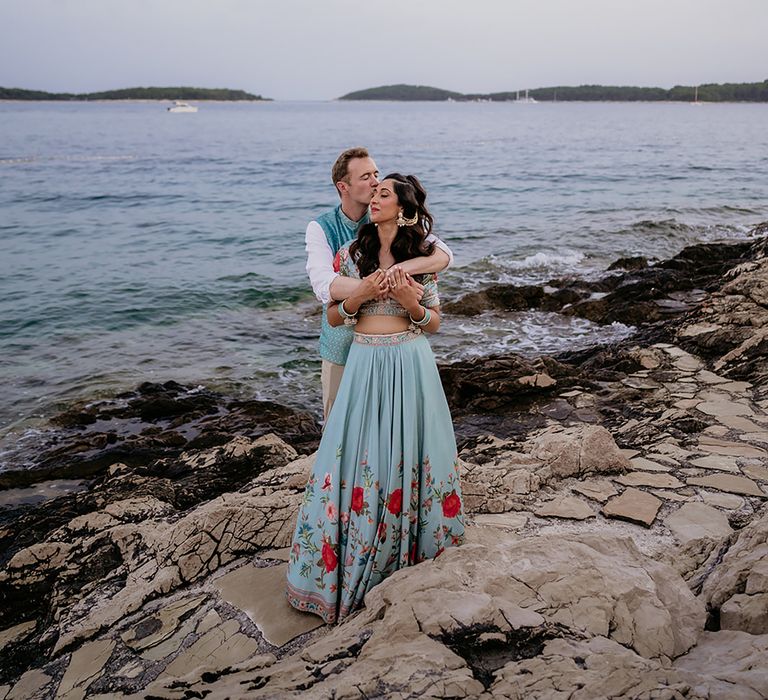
(17,160)
(547,261)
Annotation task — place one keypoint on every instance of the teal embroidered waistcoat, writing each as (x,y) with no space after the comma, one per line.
(339,229)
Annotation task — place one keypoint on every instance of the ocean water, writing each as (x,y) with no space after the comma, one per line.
(140,245)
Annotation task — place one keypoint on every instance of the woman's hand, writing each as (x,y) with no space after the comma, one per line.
(373,286)
(390,280)
(405,290)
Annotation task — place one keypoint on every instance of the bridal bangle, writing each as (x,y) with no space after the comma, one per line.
(424,321)
(349,319)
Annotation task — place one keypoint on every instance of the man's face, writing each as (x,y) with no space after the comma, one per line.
(362,179)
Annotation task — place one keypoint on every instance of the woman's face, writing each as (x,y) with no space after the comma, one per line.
(384,204)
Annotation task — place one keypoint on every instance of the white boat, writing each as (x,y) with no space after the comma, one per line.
(180,106)
(696,102)
(525,100)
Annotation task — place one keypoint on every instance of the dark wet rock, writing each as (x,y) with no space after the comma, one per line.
(730,329)
(181,482)
(630,263)
(157,421)
(642,294)
(496,384)
(53,556)
(510,297)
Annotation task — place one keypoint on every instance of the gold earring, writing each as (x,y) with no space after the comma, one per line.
(402,221)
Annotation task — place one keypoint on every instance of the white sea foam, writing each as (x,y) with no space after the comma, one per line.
(543,260)
(529,333)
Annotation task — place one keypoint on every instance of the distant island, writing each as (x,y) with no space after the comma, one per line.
(137,93)
(726,92)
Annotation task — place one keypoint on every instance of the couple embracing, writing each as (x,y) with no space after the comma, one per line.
(384,491)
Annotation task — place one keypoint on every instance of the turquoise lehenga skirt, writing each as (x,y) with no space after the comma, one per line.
(384,491)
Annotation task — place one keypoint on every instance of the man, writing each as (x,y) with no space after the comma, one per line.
(355,177)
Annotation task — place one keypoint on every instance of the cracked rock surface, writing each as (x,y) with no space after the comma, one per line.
(617,539)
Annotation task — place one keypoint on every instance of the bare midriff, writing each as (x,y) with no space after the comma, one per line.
(381,325)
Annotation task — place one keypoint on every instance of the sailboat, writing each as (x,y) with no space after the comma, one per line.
(696,102)
(525,100)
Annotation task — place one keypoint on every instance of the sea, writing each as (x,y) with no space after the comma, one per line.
(141,245)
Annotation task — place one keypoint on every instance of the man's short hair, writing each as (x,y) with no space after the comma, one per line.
(340,168)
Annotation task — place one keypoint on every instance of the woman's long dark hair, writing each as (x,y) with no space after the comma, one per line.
(410,241)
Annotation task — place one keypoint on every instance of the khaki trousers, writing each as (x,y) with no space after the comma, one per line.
(330,378)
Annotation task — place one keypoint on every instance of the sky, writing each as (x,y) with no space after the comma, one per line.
(322,49)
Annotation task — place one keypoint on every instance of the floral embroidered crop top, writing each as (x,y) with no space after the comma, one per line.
(344,265)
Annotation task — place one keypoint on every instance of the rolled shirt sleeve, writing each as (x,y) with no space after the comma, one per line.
(319,262)
(434,239)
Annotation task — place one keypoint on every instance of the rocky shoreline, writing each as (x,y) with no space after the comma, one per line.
(616,499)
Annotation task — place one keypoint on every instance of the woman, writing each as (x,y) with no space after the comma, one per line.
(384,491)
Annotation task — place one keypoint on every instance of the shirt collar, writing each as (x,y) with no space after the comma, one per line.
(347,221)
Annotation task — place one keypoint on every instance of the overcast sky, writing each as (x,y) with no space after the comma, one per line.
(321,49)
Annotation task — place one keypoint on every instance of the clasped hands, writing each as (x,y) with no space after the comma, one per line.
(393,283)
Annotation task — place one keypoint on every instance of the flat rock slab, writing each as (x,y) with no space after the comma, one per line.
(596,489)
(658,481)
(739,423)
(761,436)
(566,507)
(673,496)
(641,383)
(647,465)
(687,363)
(733,449)
(720,463)
(670,449)
(30,685)
(756,471)
(85,665)
(729,483)
(708,377)
(223,646)
(736,387)
(729,501)
(633,505)
(16,633)
(695,521)
(724,408)
(283,554)
(157,627)
(260,594)
(698,328)
(506,521)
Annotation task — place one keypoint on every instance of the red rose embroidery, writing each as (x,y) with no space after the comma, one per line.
(357,499)
(329,557)
(381,532)
(337,262)
(451,505)
(395,504)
